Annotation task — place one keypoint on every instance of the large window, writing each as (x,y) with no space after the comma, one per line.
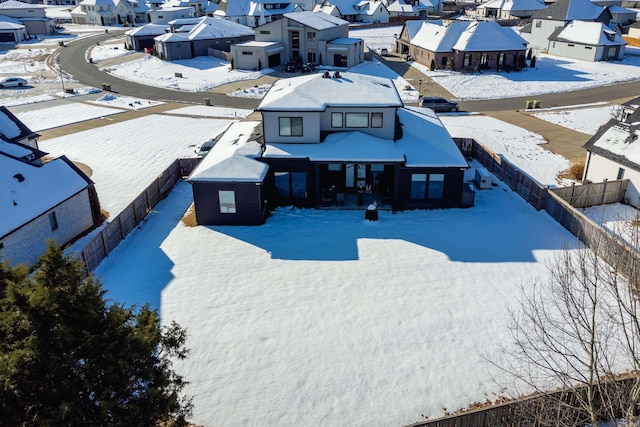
(357,120)
(418,185)
(290,126)
(436,186)
(336,120)
(311,35)
(376,120)
(291,184)
(227,201)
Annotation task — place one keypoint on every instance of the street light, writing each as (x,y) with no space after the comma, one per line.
(60,70)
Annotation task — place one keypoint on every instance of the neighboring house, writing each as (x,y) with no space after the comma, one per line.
(614,151)
(165,15)
(415,8)
(622,15)
(508,9)
(11,30)
(321,142)
(634,31)
(302,37)
(546,22)
(125,12)
(32,16)
(96,12)
(462,45)
(360,11)
(141,11)
(142,37)
(198,6)
(253,13)
(208,33)
(587,41)
(38,201)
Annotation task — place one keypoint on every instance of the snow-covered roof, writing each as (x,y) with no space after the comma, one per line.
(172,37)
(426,142)
(14,4)
(12,129)
(618,10)
(316,20)
(514,5)
(148,30)
(341,146)
(315,93)
(591,33)
(98,2)
(355,7)
(570,10)
(258,44)
(402,7)
(27,191)
(619,142)
(436,37)
(218,28)
(488,36)
(8,23)
(256,8)
(14,150)
(232,158)
(343,41)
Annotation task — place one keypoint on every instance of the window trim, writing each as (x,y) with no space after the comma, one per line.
(374,120)
(354,115)
(335,115)
(291,126)
(226,206)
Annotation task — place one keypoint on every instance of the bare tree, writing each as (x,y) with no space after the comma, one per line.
(575,331)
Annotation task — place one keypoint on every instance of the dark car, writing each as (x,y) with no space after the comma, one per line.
(307,68)
(438,104)
(291,66)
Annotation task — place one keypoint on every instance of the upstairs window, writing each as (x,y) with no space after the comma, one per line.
(290,126)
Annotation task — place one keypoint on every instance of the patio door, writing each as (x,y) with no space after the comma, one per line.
(355,174)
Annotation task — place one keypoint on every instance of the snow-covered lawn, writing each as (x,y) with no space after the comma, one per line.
(552,74)
(16,61)
(108,51)
(585,120)
(198,74)
(61,115)
(323,318)
(211,111)
(126,102)
(125,157)
(519,146)
(618,218)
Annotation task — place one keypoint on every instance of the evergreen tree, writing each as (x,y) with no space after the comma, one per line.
(68,358)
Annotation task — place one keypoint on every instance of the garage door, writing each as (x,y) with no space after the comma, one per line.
(7,37)
(274,60)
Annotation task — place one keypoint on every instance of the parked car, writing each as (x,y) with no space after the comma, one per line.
(438,104)
(12,82)
(307,68)
(384,51)
(291,66)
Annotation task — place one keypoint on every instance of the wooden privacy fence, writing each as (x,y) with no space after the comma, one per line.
(593,194)
(120,226)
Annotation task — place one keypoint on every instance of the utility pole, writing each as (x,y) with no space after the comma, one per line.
(60,70)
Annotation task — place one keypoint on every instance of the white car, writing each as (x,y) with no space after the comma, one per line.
(12,82)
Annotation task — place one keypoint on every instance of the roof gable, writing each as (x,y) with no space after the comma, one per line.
(570,10)
(591,33)
(12,129)
(217,28)
(14,4)
(488,36)
(316,20)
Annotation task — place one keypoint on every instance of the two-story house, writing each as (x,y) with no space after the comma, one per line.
(364,11)
(38,201)
(253,13)
(301,37)
(321,142)
(32,16)
(508,9)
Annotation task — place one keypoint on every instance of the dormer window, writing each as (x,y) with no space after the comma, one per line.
(610,36)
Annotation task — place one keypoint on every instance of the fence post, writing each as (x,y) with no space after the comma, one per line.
(122,236)
(604,190)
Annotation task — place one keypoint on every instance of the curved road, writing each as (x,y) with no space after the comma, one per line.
(73,61)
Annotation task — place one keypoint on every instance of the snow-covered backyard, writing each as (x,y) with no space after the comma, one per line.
(323,318)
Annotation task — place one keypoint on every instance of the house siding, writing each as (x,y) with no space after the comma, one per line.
(27,243)
(600,168)
(310,127)
(249,198)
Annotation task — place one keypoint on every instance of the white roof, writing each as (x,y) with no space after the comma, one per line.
(621,10)
(316,20)
(14,4)
(621,140)
(426,142)
(488,36)
(218,28)
(97,2)
(436,37)
(148,30)
(583,9)
(232,158)
(14,150)
(315,93)
(8,128)
(341,146)
(171,37)
(257,44)
(42,188)
(8,23)
(514,5)
(592,33)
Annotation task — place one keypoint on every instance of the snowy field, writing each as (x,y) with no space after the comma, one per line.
(39,119)
(211,111)
(108,51)
(126,102)
(618,218)
(323,318)
(125,157)
(585,120)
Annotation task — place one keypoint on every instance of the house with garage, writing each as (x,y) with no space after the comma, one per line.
(141,38)
(313,37)
(546,22)
(587,41)
(614,151)
(203,37)
(32,16)
(38,201)
(11,30)
(462,45)
(164,15)
(508,9)
(360,11)
(321,144)
(420,9)
(254,13)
